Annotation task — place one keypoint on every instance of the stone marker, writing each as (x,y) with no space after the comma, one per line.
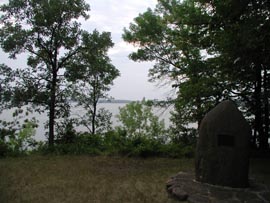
(183,187)
(222,159)
(222,154)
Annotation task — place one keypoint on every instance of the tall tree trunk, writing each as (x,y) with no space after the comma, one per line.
(265,144)
(255,124)
(258,130)
(52,108)
(200,112)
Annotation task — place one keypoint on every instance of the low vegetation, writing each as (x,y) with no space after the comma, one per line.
(216,51)
(140,134)
(85,179)
(94,179)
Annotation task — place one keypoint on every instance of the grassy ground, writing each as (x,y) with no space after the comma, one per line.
(85,179)
(56,179)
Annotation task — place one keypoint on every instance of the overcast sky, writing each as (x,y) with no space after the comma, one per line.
(112,16)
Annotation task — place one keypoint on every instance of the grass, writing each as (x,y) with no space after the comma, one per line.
(56,179)
(76,179)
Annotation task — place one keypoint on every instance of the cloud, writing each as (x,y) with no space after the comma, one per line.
(121,49)
(114,15)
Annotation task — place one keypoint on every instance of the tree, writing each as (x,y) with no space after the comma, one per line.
(239,36)
(49,33)
(6,77)
(170,36)
(138,120)
(92,75)
(16,135)
(210,51)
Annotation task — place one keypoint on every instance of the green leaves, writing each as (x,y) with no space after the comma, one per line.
(210,51)
(49,32)
(91,74)
(174,36)
(138,120)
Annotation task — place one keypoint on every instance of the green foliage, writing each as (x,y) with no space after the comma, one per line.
(16,137)
(103,121)
(177,48)
(66,132)
(3,149)
(209,51)
(179,150)
(117,143)
(92,75)
(50,33)
(183,135)
(23,140)
(138,120)
(6,77)
(149,142)
(240,37)
(82,144)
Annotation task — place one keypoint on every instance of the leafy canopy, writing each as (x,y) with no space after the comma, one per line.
(50,33)
(138,120)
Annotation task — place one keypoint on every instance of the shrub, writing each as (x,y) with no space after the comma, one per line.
(4,150)
(137,119)
(116,142)
(81,144)
(17,141)
(144,147)
(174,150)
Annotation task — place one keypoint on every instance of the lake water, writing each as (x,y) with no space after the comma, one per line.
(6,115)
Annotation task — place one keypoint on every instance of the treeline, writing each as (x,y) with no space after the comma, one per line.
(208,51)
(64,63)
(139,134)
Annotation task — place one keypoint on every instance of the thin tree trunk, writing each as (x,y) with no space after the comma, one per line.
(94,108)
(94,118)
(52,108)
(255,124)
(258,131)
(265,144)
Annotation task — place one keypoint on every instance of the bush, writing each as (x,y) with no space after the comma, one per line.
(15,142)
(115,142)
(144,147)
(137,119)
(4,150)
(65,130)
(118,143)
(178,150)
(81,144)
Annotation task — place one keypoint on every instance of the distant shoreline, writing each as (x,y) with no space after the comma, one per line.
(115,101)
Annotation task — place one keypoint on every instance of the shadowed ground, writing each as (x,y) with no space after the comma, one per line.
(183,186)
(57,179)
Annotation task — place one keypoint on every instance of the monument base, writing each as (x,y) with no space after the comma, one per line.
(184,187)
